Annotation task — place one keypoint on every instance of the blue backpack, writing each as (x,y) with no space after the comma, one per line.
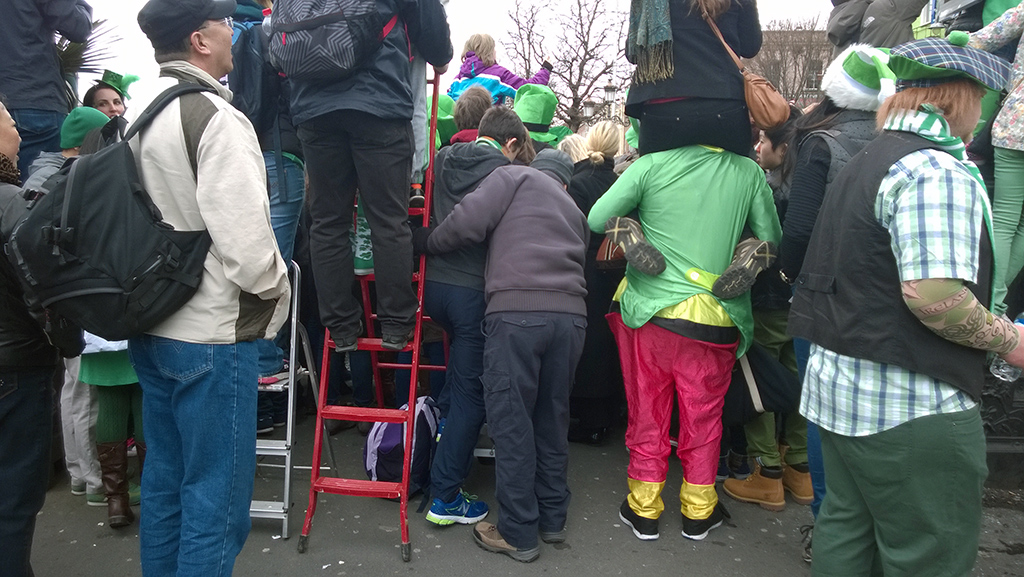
(384,450)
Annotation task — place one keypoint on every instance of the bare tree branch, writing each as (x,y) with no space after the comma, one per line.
(584,41)
(793,56)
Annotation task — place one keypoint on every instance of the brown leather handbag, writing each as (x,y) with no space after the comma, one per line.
(768,108)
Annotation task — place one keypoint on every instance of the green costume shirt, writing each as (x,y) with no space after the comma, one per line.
(693,204)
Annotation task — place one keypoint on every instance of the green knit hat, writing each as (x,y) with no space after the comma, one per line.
(535,104)
(79,122)
(118,82)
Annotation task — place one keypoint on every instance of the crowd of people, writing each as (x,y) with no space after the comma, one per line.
(579,279)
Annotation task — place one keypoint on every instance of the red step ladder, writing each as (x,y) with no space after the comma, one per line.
(363,487)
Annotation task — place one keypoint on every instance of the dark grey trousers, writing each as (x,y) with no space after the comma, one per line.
(345,150)
(529,362)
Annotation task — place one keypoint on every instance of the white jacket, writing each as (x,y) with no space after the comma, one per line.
(200,161)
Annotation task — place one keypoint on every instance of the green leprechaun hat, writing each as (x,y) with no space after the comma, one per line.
(535,104)
(119,82)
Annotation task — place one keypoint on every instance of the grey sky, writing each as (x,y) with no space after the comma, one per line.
(133,54)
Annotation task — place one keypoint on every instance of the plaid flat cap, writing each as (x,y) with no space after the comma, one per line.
(931,61)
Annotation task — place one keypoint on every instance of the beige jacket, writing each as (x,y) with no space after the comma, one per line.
(201,163)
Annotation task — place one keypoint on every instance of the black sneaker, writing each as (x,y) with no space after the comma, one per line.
(698,529)
(808,532)
(641,254)
(645,529)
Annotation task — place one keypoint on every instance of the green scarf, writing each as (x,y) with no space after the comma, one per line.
(649,43)
(928,123)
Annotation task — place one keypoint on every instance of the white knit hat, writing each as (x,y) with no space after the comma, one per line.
(859,78)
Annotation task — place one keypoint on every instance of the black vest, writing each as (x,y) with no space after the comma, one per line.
(849,298)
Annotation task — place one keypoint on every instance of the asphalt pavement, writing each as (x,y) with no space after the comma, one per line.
(360,536)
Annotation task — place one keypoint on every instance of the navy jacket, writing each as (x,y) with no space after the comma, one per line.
(383,88)
(30,76)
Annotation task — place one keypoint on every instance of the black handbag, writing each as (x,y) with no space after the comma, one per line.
(760,383)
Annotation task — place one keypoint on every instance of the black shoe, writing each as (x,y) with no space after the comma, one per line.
(808,532)
(336,426)
(641,254)
(645,529)
(395,342)
(698,529)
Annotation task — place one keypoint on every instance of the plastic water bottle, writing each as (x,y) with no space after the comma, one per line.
(1003,370)
(266,22)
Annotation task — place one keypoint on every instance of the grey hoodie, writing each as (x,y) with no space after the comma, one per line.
(458,170)
(44,166)
(536,241)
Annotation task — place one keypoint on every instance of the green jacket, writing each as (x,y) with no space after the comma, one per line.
(693,203)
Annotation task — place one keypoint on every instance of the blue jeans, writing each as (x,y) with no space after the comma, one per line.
(286,196)
(39,131)
(26,397)
(460,311)
(434,356)
(815,461)
(199,410)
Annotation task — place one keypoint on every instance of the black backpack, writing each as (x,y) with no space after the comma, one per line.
(255,84)
(95,249)
(323,40)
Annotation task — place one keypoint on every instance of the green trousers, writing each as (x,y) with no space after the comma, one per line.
(770,333)
(116,404)
(1007,224)
(905,502)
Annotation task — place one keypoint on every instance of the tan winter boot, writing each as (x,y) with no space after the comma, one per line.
(798,483)
(113,459)
(763,488)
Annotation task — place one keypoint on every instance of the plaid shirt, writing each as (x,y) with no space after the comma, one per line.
(933,207)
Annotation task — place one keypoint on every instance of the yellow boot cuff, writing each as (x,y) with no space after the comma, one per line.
(645,498)
(697,501)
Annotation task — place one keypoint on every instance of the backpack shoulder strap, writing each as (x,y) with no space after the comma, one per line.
(160,102)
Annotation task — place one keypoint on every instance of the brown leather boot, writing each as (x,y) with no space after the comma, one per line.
(763,488)
(113,459)
(798,483)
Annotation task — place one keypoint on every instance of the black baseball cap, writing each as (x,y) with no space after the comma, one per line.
(166,22)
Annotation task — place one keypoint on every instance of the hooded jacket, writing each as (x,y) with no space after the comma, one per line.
(201,163)
(458,170)
(536,241)
(589,182)
(383,87)
(495,78)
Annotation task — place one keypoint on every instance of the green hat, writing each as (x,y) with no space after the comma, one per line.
(559,132)
(535,104)
(79,122)
(859,78)
(446,127)
(118,82)
(932,61)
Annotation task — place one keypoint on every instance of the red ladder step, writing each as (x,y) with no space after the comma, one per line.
(357,487)
(367,414)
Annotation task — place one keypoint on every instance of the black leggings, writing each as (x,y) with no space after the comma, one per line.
(712,122)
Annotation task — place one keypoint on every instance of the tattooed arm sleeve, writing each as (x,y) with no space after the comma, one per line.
(951,311)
